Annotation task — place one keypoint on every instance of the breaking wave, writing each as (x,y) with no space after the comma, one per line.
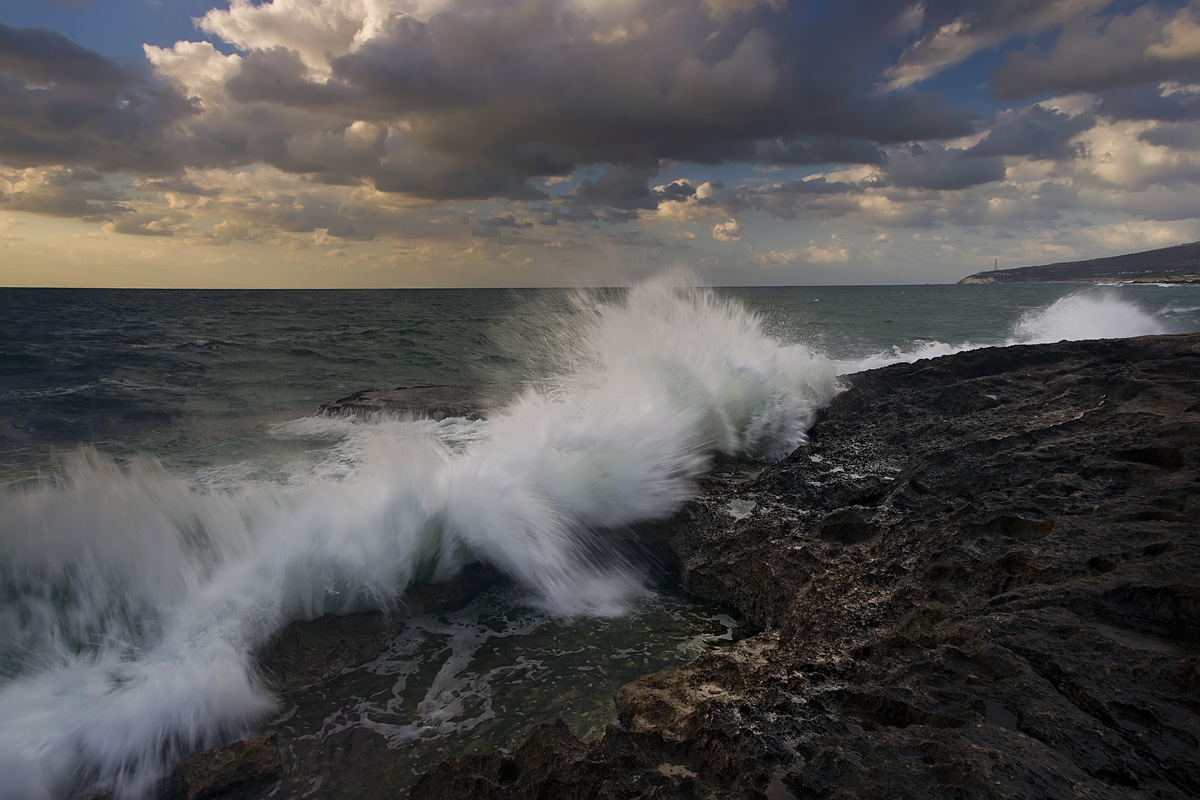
(1081,315)
(132,599)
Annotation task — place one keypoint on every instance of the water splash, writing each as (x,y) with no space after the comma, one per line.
(1088,314)
(131,600)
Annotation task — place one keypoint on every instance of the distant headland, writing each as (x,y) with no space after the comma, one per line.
(1179,264)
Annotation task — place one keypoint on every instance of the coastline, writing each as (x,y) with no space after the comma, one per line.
(980,576)
(1167,265)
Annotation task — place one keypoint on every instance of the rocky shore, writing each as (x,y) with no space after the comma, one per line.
(980,579)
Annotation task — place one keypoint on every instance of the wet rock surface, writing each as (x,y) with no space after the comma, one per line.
(312,668)
(980,579)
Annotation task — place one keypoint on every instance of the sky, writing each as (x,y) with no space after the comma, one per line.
(447,143)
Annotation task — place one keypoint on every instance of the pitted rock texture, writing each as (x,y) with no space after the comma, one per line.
(980,579)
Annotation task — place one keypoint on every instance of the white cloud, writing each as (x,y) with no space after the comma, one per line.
(316,29)
(834,251)
(1143,235)
(728,231)
(778,258)
(198,68)
(1118,156)
(831,252)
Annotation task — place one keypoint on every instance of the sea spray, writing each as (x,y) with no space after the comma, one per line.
(131,603)
(1086,314)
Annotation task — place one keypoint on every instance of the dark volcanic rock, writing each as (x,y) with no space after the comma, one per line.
(981,579)
(238,770)
(310,665)
(306,653)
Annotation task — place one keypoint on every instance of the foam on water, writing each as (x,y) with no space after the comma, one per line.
(131,599)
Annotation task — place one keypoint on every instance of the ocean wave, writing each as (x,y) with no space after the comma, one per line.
(1089,314)
(134,599)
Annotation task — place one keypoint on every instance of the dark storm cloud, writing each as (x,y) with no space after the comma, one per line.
(1036,132)
(47,57)
(935,167)
(454,181)
(489,97)
(1175,136)
(345,229)
(819,151)
(1093,54)
(511,92)
(789,199)
(677,190)
(496,228)
(1149,102)
(620,187)
(62,104)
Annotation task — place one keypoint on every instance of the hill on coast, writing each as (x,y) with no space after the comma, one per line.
(1179,264)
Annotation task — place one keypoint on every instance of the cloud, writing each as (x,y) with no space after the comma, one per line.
(62,192)
(1127,236)
(455,100)
(47,57)
(1146,45)
(623,187)
(534,90)
(955,34)
(142,226)
(1168,101)
(1035,132)
(728,231)
(61,104)
(313,30)
(936,167)
(834,251)
(1121,157)
(496,123)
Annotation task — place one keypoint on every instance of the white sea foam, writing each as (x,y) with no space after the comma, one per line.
(1086,315)
(1089,314)
(132,599)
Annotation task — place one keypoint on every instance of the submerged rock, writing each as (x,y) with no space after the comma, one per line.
(420,402)
(980,579)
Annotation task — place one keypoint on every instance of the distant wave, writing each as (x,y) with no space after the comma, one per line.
(1090,314)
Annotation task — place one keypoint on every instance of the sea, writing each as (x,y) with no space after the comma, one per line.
(171,499)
